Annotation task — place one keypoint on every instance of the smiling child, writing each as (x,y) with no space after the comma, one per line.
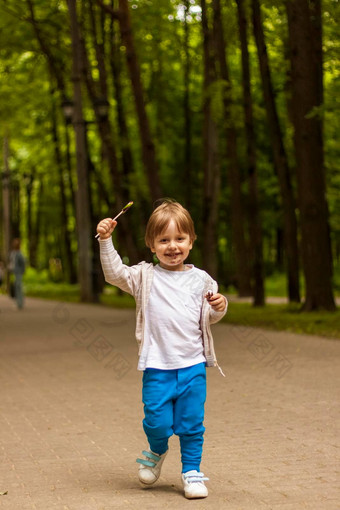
(175,305)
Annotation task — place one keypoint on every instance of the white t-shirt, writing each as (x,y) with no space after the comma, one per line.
(172,335)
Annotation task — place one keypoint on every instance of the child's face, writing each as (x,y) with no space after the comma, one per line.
(172,248)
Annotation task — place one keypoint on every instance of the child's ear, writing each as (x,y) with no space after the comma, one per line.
(152,249)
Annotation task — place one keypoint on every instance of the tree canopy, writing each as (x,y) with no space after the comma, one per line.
(159,92)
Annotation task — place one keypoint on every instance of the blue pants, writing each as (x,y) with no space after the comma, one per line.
(174,403)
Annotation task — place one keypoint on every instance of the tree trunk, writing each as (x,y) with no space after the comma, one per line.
(55,67)
(280,159)
(115,63)
(32,249)
(82,194)
(148,148)
(33,220)
(124,233)
(140,217)
(253,211)
(56,71)
(237,210)
(65,233)
(187,135)
(211,164)
(304,25)
(15,209)
(72,199)
(39,214)
(100,53)
(6,205)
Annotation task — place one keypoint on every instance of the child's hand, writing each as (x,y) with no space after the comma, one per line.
(216,301)
(106,227)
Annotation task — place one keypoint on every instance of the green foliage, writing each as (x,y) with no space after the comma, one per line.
(273,316)
(39,284)
(29,90)
(285,318)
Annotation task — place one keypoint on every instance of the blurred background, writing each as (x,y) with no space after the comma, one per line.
(230,107)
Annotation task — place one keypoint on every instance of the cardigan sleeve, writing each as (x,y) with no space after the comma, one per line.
(127,278)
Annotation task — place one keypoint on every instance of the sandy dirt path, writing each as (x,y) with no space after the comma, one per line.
(71,413)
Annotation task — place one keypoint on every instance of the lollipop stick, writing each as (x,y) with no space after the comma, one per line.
(125,208)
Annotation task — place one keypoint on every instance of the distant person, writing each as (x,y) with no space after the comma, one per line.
(176,303)
(17,268)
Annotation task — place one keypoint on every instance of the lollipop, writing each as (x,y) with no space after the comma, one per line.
(125,208)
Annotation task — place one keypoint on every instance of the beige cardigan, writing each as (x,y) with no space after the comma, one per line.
(137,281)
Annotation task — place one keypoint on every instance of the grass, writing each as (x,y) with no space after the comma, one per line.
(116,300)
(276,285)
(281,317)
(285,318)
(38,284)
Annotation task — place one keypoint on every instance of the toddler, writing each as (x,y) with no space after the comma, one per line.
(175,305)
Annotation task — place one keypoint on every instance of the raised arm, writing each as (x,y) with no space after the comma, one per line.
(115,272)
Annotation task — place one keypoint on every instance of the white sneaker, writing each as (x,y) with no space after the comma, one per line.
(150,467)
(193,483)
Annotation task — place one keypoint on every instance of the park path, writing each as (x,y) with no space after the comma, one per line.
(70,422)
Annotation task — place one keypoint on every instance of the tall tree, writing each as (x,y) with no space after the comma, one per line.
(65,233)
(305,40)
(123,133)
(234,172)
(83,215)
(280,159)
(211,164)
(32,240)
(98,95)
(6,205)
(54,64)
(57,76)
(124,140)
(187,110)
(148,147)
(254,213)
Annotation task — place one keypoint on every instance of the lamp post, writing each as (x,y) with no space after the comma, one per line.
(101,109)
(101,106)
(68,108)
(73,114)
(6,213)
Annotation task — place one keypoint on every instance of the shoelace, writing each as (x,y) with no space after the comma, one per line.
(195,477)
(150,463)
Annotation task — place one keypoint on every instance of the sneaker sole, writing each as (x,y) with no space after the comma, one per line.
(196,497)
(147,483)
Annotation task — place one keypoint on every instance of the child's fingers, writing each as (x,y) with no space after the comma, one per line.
(214,297)
(103,226)
(217,301)
(106,227)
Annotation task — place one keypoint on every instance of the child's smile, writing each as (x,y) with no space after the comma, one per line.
(172,248)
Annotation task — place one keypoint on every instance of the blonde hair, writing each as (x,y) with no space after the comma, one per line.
(161,217)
